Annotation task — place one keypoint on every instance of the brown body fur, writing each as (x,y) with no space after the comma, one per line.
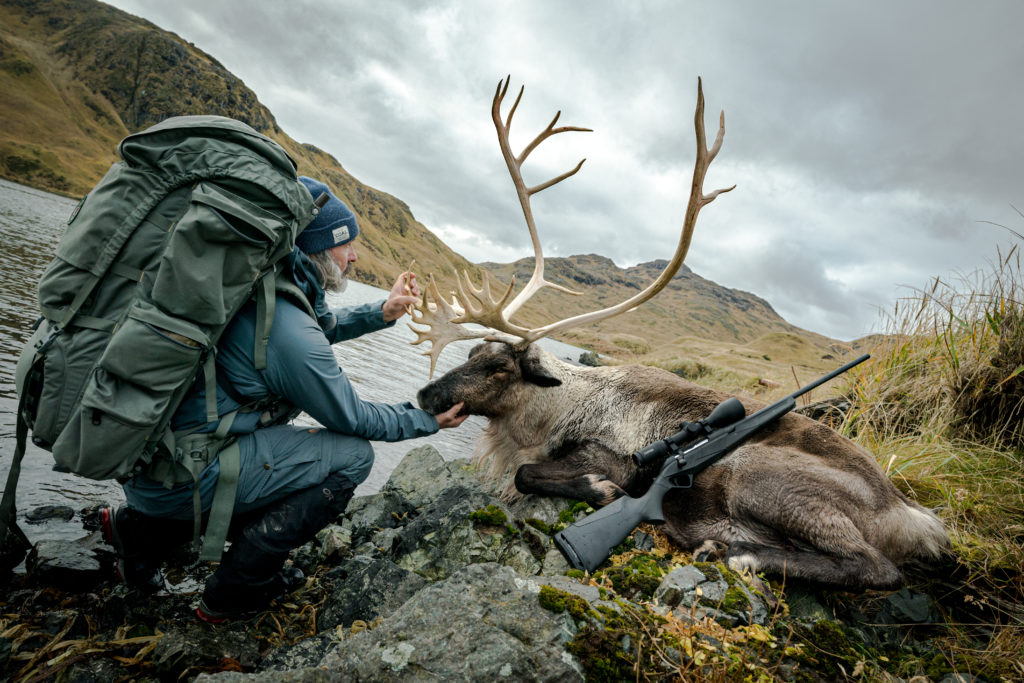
(796,498)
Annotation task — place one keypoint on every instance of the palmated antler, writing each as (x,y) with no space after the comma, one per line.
(477,306)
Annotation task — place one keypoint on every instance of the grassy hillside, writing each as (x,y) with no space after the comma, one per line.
(731,333)
(78,76)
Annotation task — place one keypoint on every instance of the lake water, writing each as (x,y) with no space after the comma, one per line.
(384,366)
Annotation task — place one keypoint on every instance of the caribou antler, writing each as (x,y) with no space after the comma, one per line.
(446,321)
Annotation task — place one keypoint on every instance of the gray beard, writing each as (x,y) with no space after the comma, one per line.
(332,278)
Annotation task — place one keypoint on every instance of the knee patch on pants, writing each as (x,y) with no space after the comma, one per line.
(354,460)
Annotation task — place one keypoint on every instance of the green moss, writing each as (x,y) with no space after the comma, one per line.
(491,515)
(601,655)
(540,525)
(625,546)
(559,601)
(575,573)
(735,600)
(568,515)
(619,645)
(535,543)
(637,578)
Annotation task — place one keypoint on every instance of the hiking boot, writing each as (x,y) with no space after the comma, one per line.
(133,568)
(231,602)
(253,572)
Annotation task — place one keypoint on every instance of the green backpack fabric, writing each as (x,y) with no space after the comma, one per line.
(157,259)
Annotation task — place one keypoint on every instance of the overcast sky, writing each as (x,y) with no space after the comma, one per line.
(867,140)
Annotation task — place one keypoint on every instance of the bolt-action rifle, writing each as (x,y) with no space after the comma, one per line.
(589,541)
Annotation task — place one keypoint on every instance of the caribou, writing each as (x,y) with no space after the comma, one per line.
(797,499)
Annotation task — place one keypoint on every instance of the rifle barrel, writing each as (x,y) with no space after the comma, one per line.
(821,380)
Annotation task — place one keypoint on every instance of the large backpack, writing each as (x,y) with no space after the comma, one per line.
(157,259)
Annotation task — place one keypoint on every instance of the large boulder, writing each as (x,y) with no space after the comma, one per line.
(482,623)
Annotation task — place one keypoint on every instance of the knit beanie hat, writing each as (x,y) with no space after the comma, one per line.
(333,226)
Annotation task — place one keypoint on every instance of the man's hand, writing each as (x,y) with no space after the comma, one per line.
(404,294)
(449,418)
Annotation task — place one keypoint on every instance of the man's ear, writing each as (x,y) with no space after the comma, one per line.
(535,372)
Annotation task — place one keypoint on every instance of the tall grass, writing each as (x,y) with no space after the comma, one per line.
(942,406)
(952,362)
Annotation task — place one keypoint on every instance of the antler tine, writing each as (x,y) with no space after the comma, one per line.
(697,200)
(514,164)
(486,311)
(544,135)
(439,319)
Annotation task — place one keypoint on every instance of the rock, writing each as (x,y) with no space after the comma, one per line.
(367,588)
(44,513)
(554,563)
(643,541)
(369,514)
(697,593)
(333,540)
(678,584)
(311,675)
(804,605)
(71,564)
(592,594)
(958,678)
(305,654)
(423,474)
(479,624)
(539,507)
(906,606)
(198,645)
(442,538)
(96,671)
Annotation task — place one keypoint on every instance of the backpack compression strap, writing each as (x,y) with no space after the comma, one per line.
(14,544)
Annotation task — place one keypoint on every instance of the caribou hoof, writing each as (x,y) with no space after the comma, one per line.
(603,490)
(710,551)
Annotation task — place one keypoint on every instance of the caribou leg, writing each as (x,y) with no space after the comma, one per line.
(590,472)
(867,568)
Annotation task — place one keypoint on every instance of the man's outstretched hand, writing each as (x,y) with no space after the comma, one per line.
(450,417)
(404,294)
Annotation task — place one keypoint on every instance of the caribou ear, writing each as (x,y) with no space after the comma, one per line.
(535,372)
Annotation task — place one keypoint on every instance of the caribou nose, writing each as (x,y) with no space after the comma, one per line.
(425,397)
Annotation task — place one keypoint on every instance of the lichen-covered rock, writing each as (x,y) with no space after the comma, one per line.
(369,514)
(310,675)
(366,588)
(542,508)
(423,474)
(200,645)
(444,537)
(694,592)
(304,654)
(482,623)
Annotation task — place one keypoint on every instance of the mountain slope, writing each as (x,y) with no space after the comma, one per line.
(78,75)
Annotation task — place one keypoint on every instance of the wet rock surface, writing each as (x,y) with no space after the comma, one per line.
(434,578)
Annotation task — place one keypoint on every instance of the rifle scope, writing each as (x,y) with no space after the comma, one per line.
(724,414)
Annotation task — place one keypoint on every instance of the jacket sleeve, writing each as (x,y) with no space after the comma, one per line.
(355,321)
(302,368)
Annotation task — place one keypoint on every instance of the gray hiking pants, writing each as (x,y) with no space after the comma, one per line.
(275,462)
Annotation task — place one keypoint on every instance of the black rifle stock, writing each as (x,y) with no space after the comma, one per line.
(588,542)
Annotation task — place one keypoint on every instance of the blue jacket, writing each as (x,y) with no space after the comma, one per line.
(302,368)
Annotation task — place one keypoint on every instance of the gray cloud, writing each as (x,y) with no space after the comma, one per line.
(867,139)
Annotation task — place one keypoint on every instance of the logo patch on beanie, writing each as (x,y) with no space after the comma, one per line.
(340,234)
